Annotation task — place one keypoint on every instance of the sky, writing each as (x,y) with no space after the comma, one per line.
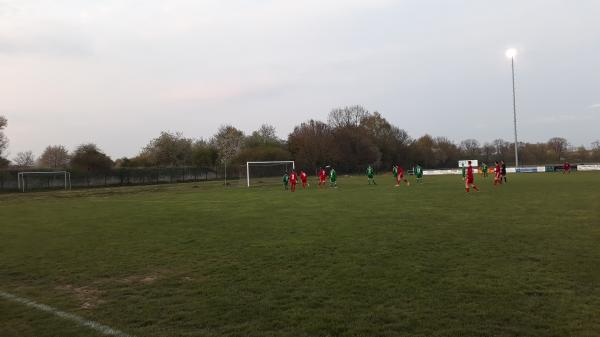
(118,72)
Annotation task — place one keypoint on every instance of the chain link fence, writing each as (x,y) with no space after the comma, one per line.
(118,177)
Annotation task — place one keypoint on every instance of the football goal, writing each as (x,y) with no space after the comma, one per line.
(266,172)
(40,180)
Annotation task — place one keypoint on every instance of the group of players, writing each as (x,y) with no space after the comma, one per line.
(291,180)
(398,173)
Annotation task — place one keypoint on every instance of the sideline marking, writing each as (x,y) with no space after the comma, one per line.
(103,329)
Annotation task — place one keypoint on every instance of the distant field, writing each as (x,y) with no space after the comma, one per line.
(203,260)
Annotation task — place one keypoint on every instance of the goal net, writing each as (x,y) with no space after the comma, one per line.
(43,180)
(257,173)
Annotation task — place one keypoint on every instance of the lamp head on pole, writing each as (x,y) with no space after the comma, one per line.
(511,53)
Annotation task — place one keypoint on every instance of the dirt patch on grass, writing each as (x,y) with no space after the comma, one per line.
(88,297)
(143,279)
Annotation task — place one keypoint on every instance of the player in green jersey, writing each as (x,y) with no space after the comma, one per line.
(371,175)
(484,170)
(395,173)
(464,172)
(286,180)
(419,173)
(332,178)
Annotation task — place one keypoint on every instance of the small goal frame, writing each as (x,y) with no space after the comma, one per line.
(248,163)
(21,178)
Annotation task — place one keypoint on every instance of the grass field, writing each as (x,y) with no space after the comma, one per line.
(202,260)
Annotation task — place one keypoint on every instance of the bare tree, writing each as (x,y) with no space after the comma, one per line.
(558,145)
(501,148)
(470,148)
(24,159)
(54,156)
(267,132)
(265,135)
(487,151)
(312,144)
(347,117)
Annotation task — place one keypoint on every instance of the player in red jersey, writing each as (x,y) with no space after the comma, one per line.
(322,177)
(293,180)
(470,179)
(400,176)
(303,178)
(497,174)
(566,168)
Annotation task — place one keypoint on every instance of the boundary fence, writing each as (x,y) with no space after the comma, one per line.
(118,177)
(154,176)
(522,169)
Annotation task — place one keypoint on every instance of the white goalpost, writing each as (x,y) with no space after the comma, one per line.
(269,169)
(22,183)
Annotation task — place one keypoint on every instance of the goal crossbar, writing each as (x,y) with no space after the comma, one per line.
(21,178)
(275,162)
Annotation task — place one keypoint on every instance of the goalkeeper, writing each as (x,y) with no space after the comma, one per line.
(286,180)
(371,175)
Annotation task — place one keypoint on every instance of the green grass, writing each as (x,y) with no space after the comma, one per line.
(202,260)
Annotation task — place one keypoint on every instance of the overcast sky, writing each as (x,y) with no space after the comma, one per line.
(117,72)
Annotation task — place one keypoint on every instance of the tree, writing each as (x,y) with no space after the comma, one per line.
(311,144)
(54,156)
(487,152)
(422,151)
(596,151)
(169,150)
(558,146)
(24,159)
(470,148)
(580,155)
(347,117)
(3,139)
(531,154)
(263,153)
(122,162)
(203,154)
(354,149)
(446,153)
(501,149)
(88,157)
(228,142)
(266,135)
(392,142)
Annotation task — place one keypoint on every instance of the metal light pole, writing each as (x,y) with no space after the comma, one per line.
(511,53)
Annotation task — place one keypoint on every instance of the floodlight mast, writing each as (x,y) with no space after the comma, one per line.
(511,53)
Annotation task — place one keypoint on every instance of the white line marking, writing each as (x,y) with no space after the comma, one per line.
(103,329)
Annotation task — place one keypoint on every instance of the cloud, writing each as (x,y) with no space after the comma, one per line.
(594,106)
(48,44)
(29,29)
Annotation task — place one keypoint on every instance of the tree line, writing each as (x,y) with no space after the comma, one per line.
(350,139)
